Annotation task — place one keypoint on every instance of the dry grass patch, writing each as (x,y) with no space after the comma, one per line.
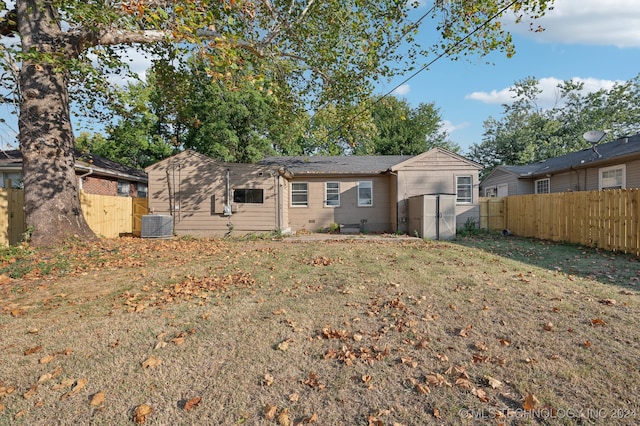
(342,332)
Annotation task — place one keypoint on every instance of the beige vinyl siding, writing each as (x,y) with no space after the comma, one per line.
(317,216)
(187,182)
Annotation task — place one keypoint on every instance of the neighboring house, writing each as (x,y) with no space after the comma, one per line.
(96,175)
(369,193)
(612,165)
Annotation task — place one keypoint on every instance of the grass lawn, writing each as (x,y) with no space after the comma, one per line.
(483,330)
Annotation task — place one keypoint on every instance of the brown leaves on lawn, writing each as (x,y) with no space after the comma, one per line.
(151,362)
(192,403)
(530,402)
(33,350)
(141,413)
(80,384)
(97,399)
(189,288)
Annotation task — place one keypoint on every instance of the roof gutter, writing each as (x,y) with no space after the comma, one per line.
(89,173)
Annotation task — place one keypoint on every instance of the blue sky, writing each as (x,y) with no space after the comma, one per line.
(596,41)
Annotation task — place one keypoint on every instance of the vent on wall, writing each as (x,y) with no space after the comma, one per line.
(157,226)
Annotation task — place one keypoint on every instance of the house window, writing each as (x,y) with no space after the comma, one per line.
(332,194)
(248,196)
(16,180)
(365,193)
(142,190)
(123,188)
(491,192)
(542,186)
(613,177)
(299,194)
(464,186)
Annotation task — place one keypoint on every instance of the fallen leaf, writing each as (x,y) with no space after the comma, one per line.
(161,344)
(482,395)
(192,403)
(465,331)
(423,389)
(530,402)
(45,377)
(494,383)
(47,359)
(463,383)
(270,412)
(587,344)
(4,279)
(279,312)
(608,302)
(283,418)
(548,326)
(141,413)
(436,414)
(178,341)
(597,322)
(504,342)
(32,391)
(283,346)
(80,384)
(152,362)
(33,350)
(97,399)
(64,384)
(267,380)
(294,397)
(357,337)
(312,419)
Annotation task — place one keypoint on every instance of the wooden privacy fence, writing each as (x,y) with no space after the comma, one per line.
(605,219)
(107,216)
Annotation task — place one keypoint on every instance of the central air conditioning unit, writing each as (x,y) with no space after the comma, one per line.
(157,226)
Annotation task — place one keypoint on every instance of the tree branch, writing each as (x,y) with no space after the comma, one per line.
(8,24)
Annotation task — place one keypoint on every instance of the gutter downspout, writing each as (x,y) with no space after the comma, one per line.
(89,173)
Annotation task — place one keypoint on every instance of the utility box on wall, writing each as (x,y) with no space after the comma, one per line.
(433,216)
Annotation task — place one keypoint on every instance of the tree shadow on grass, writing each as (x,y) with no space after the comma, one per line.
(608,267)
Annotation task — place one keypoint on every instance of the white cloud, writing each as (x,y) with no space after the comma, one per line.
(401,90)
(588,22)
(450,127)
(549,87)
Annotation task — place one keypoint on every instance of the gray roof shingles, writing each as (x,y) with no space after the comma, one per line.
(618,148)
(360,164)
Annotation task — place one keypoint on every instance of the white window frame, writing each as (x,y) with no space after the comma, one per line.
(143,188)
(300,192)
(621,167)
(121,184)
(541,181)
(466,200)
(368,201)
(332,189)
(491,192)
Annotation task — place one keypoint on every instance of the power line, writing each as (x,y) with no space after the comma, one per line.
(424,67)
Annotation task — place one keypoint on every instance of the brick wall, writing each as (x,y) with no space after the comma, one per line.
(100,185)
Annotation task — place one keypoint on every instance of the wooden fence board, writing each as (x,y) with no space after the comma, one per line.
(605,219)
(107,216)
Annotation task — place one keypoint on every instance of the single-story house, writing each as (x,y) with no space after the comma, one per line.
(96,175)
(612,165)
(206,197)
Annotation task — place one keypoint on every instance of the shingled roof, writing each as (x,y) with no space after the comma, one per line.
(617,149)
(320,165)
(13,159)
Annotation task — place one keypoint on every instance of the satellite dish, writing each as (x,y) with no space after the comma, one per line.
(594,136)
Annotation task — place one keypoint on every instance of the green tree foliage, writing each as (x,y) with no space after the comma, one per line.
(402,130)
(326,51)
(528,133)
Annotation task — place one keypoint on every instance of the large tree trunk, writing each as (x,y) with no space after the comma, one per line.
(52,204)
